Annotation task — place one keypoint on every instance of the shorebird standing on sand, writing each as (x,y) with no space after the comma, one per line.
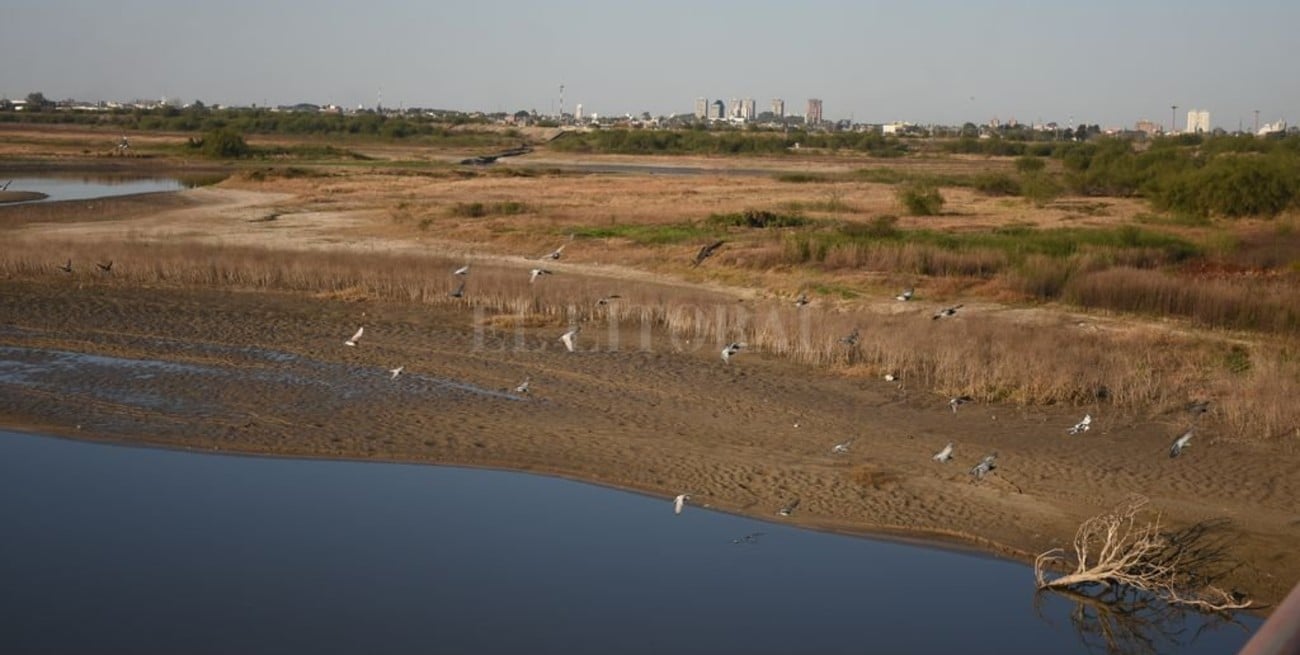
(944,455)
(356,337)
(1181,442)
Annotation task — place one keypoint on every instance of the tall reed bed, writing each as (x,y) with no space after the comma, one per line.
(992,356)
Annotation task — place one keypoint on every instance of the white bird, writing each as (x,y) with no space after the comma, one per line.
(355,337)
(801,300)
(958,401)
(1181,442)
(459,291)
(523,386)
(946,312)
(679,501)
(892,377)
(943,455)
(841,448)
(554,254)
(569,336)
(731,350)
(396,371)
(987,464)
(1082,426)
(789,508)
(463,270)
(906,295)
(535,273)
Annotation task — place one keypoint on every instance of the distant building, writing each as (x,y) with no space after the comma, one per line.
(1198,121)
(1272,128)
(748,110)
(701,108)
(577,112)
(733,110)
(814,114)
(1150,128)
(778,108)
(719,110)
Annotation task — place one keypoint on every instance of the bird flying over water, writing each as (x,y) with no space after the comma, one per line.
(1082,426)
(396,371)
(66,268)
(985,466)
(706,252)
(841,448)
(463,270)
(535,273)
(356,337)
(1180,443)
(569,336)
(946,312)
(944,455)
(731,350)
(906,295)
(680,501)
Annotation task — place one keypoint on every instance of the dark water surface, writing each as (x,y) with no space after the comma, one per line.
(112,549)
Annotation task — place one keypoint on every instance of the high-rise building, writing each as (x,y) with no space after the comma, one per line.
(1150,128)
(701,108)
(719,111)
(814,114)
(577,112)
(733,110)
(778,107)
(748,109)
(1198,120)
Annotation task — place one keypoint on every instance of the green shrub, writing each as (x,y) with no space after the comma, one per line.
(758,218)
(1029,164)
(997,184)
(222,143)
(920,199)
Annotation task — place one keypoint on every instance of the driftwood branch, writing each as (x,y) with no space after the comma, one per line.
(1120,549)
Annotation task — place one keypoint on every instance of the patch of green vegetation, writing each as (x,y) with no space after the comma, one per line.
(920,198)
(758,218)
(804,178)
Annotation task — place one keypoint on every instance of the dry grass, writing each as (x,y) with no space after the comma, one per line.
(989,356)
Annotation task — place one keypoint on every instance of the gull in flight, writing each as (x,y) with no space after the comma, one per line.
(841,448)
(396,371)
(801,300)
(731,350)
(906,295)
(706,252)
(105,267)
(946,312)
(852,338)
(1198,408)
(985,466)
(463,270)
(1180,443)
(356,337)
(554,254)
(789,508)
(459,291)
(944,455)
(1082,426)
(535,273)
(958,401)
(679,502)
(66,268)
(569,336)
(523,386)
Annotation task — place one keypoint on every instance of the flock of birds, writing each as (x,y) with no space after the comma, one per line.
(104,267)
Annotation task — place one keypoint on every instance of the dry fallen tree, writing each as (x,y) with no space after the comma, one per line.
(1117,551)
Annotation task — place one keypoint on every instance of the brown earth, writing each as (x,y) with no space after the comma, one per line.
(268,374)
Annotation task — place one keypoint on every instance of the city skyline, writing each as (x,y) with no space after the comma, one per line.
(1109,63)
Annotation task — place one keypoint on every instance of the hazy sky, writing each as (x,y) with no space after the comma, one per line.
(1110,62)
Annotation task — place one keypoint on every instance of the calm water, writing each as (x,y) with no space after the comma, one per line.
(82,187)
(111,549)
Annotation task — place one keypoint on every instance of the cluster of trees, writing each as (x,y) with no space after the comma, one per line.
(622,141)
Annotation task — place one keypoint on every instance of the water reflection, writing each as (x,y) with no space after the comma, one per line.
(112,549)
(85,186)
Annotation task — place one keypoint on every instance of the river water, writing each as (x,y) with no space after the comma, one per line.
(115,549)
